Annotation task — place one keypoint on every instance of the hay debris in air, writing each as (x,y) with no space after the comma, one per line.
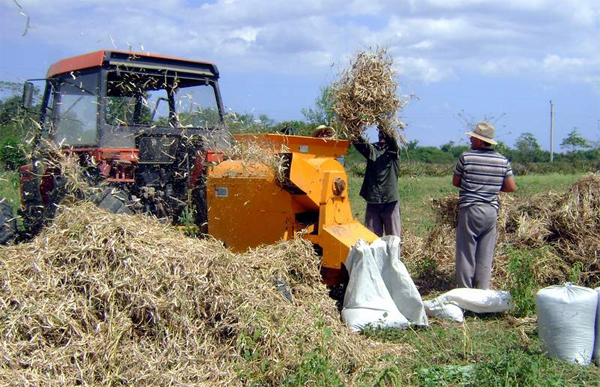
(259,152)
(366,95)
(101,299)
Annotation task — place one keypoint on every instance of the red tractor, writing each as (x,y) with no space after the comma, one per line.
(146,126)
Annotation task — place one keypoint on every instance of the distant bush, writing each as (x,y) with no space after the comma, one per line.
(567,167)
(12,154)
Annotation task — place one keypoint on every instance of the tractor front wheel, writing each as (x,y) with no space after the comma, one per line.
(113,200)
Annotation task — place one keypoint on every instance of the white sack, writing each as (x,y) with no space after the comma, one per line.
(444,310)
(478,300)
(405,294)
(596,354)
(380,292)
(566,322)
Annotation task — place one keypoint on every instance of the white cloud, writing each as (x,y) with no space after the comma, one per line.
(420,68)
(431,39)
(247,34)
(554,63)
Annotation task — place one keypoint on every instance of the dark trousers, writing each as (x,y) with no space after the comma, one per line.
(384,218)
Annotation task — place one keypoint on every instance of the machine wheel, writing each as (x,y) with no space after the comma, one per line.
(8,223)
(113,200)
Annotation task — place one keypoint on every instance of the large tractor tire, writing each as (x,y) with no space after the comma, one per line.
(8,223)
(113,200)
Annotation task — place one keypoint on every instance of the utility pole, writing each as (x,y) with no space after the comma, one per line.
(551,131)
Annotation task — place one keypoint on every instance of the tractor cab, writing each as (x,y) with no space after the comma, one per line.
(109,99)
(145,123)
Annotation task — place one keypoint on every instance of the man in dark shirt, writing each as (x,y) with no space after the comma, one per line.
(380,185)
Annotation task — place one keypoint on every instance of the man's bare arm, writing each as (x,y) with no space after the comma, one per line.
(456,180)
(509,184)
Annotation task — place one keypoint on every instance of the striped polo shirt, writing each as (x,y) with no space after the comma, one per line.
(482,173)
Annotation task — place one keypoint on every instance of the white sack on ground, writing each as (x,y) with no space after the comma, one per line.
(477,300)
(380,292)
(566,322)
(596,355)
(446,310)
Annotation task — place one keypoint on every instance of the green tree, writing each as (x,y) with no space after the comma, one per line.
(574,141)
(16,124)
(454,149)
(322,113)
(299,128)
(247,123)
(430,155)
(527,148)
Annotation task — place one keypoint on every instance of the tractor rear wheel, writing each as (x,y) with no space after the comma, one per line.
(8,223)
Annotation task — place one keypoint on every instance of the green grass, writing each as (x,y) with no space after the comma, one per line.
(537,184)
(491,351)
(9,188)
(488,351)
(416,194)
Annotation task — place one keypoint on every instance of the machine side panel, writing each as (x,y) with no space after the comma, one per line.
(249,211)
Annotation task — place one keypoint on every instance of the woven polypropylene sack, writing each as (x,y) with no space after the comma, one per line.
(380,293)
(445,310)
(596,355)
(566,322)
(367,302)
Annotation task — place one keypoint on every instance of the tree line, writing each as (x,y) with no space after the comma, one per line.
(16,126)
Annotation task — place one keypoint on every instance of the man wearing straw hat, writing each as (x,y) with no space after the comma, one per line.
(380,184)
(323,131)
(480,174)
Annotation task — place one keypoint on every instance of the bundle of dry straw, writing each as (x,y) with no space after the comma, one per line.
(102,299)
(366,95)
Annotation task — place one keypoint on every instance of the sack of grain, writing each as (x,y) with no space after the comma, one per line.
(566,322)
(596,355)
(380,292)
(446,310)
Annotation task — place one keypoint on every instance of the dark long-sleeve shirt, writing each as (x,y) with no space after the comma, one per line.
(380,184)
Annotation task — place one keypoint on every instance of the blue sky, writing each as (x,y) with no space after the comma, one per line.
(478,59)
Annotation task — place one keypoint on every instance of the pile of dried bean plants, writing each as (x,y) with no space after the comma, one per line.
(562,231)
(100,299)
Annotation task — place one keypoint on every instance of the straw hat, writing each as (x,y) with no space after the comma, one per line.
(323,131)
(485,132)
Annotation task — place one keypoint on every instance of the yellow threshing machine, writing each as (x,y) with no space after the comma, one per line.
(250,204)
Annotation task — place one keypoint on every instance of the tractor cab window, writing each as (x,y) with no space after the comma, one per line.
(161,100)
(76,104)
(131,99)
(196,105)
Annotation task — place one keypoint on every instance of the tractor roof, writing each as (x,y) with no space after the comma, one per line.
(130,59)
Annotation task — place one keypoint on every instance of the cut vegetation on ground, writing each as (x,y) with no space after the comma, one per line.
(100,299)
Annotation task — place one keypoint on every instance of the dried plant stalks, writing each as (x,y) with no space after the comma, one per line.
(259,152)
(100,299)
(563,229)
(366,95)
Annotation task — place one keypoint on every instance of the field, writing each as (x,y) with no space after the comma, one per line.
(416,194)
(272,342)
(498,350)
